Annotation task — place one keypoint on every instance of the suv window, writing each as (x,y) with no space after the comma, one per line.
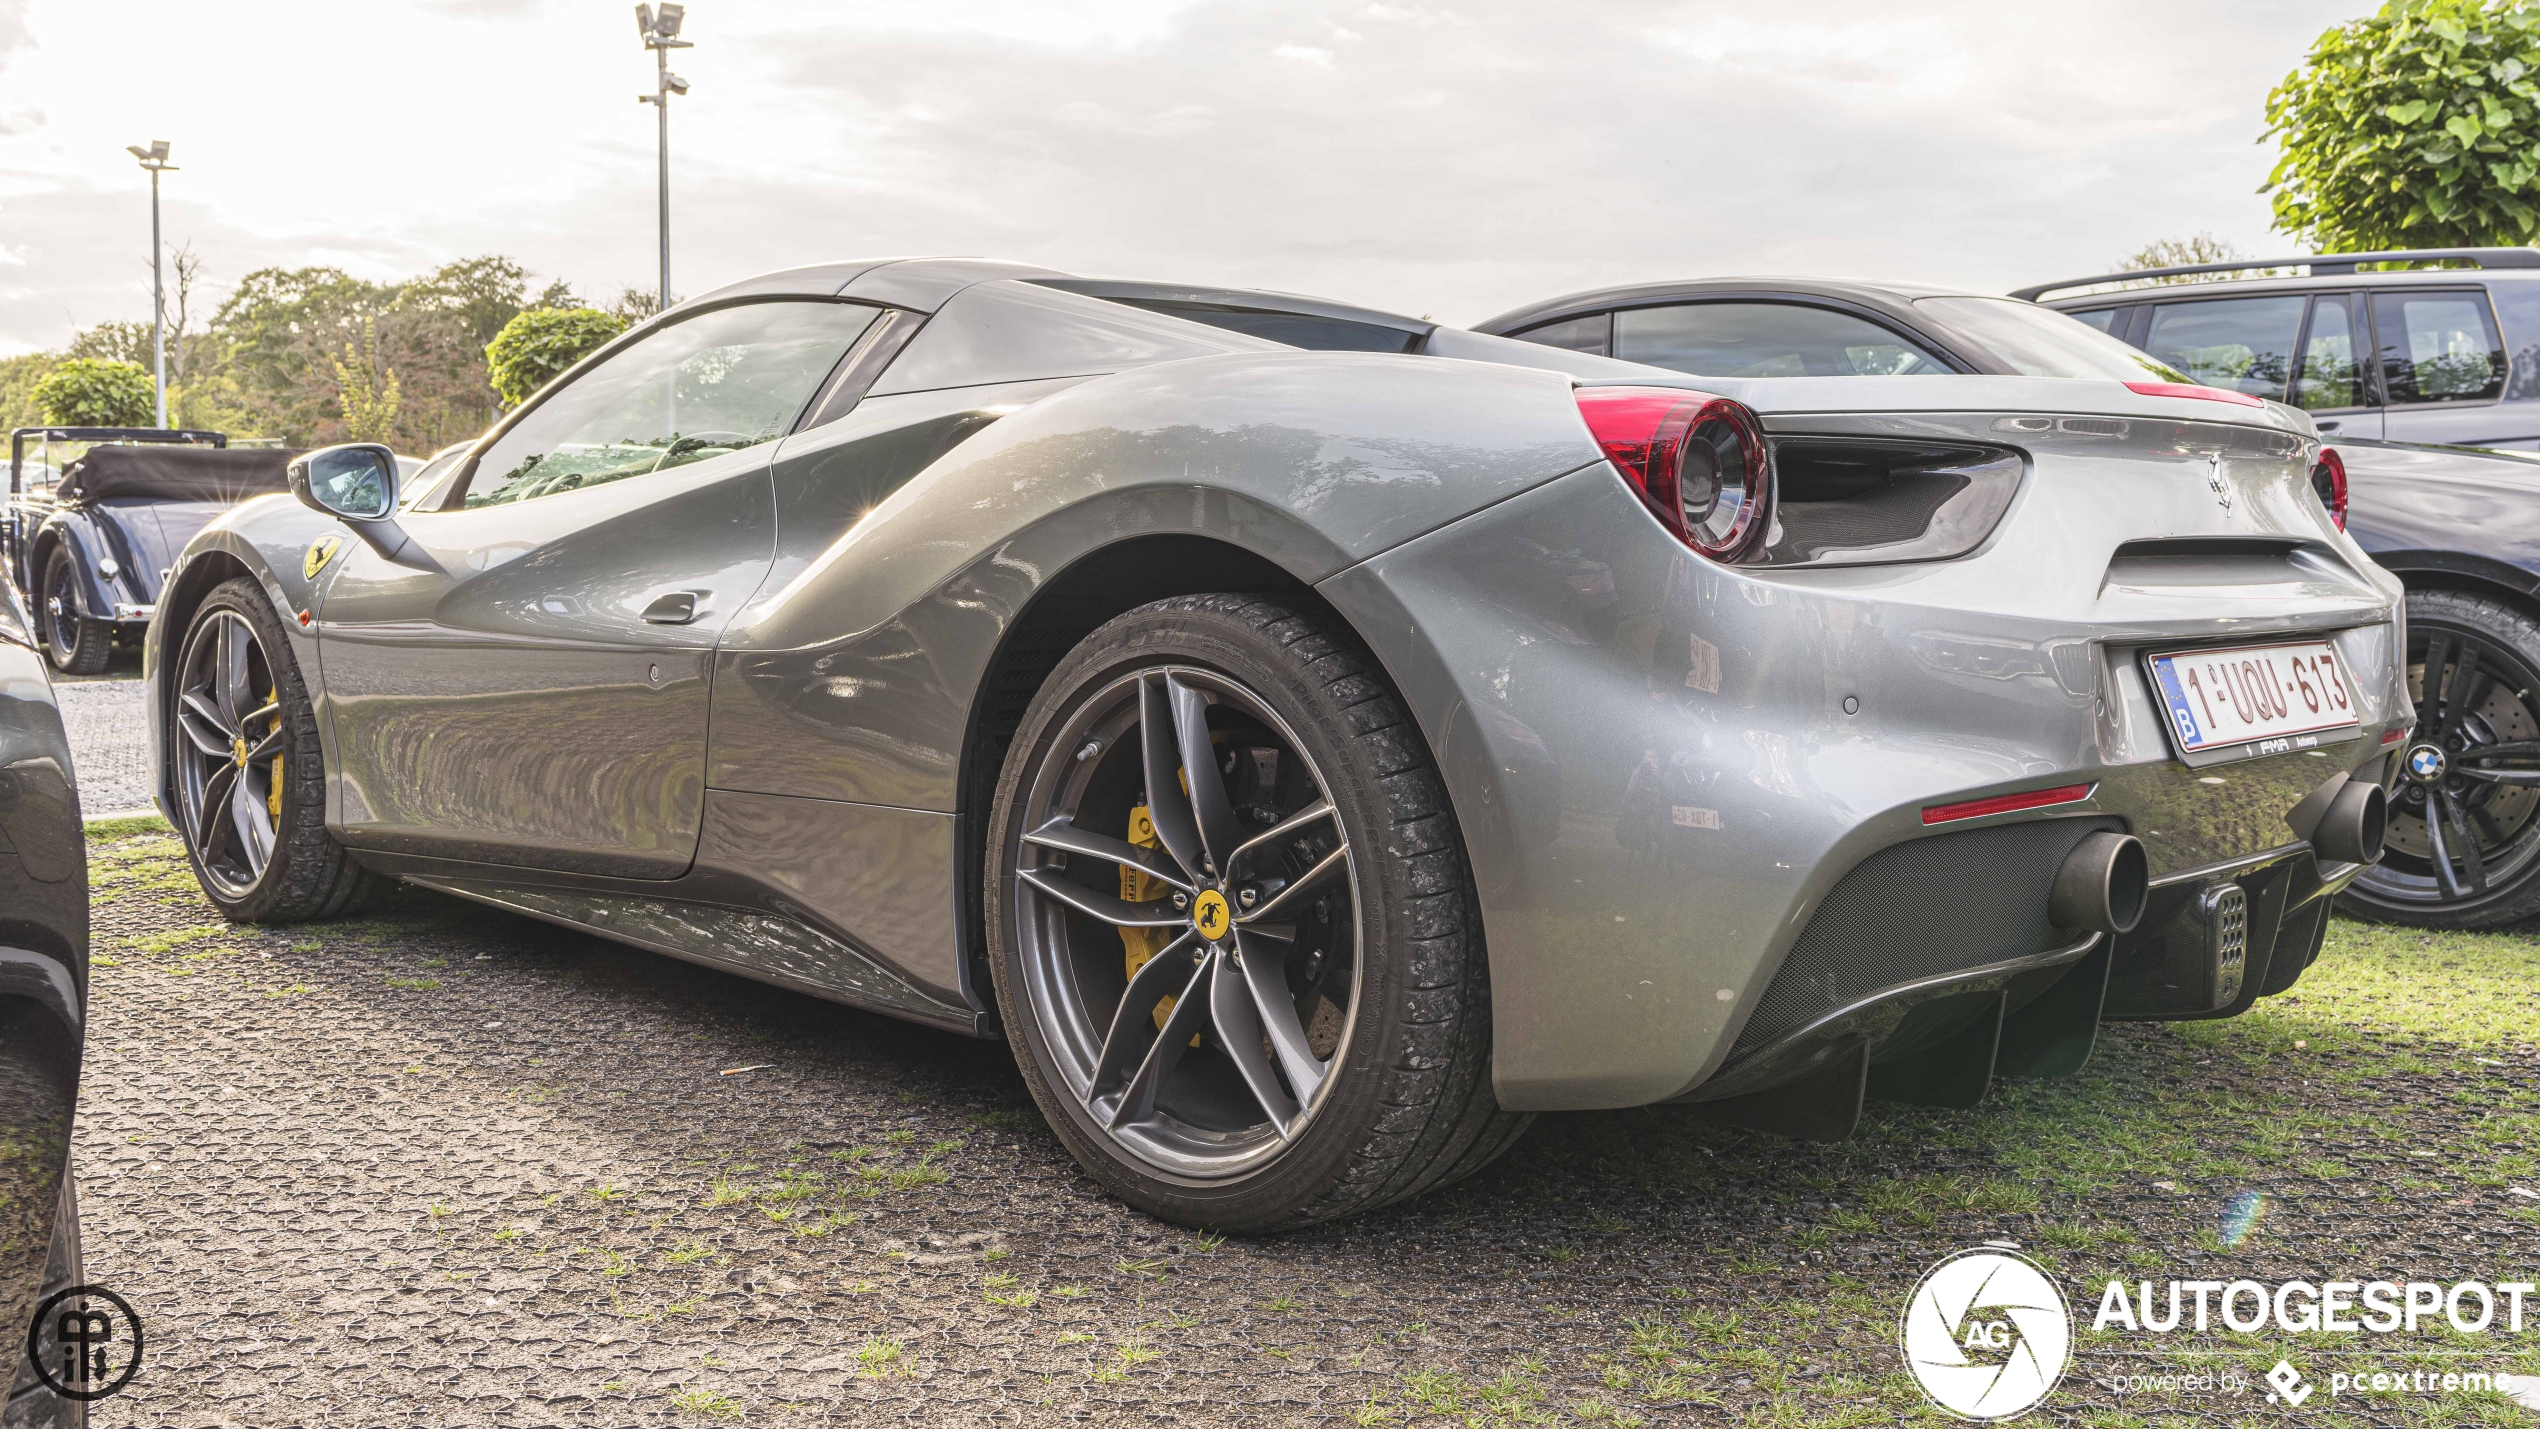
(2238,344)
(2438,347)
(2100,318)
(1766,340)
(2331,376)
(715,383)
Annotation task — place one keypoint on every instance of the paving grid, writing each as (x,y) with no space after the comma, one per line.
(110,742)
(442,1166)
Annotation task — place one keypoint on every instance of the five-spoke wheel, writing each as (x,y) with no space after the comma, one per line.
(245,772)
(228,746)
(1188,919)
(1231,925)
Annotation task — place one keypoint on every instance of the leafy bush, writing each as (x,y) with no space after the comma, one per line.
(540,343)
(2413,128)
(93,392)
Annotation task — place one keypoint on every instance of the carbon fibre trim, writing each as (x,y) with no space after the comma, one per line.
(1919,910)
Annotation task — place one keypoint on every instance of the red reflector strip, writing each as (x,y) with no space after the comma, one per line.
(2194,392)
(2393,737)
(2008,803)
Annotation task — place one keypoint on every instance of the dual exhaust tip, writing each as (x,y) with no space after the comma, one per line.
(2106,880)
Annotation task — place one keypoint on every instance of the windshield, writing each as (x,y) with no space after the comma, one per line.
(2041,342)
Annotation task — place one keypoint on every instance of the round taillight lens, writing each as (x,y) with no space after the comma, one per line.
(2328,478)
(1699,461)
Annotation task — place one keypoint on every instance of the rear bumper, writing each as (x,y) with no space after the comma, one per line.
(1664,768)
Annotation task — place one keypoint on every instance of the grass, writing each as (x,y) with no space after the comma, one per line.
(115,830)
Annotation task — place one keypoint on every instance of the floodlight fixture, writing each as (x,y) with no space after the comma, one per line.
(660,29)
(154,158)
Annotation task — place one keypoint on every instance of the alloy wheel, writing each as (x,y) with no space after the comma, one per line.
(1187,915)
(2466,816)
(227,744)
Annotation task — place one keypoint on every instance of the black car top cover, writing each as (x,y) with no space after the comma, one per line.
(175,473)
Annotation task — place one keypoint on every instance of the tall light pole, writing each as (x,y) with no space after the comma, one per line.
(660,29)
(155,159)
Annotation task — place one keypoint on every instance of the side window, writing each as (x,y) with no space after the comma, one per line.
(1766,340)
(2099,318)
(2331,376)
(2438,347)
(2518,305)
(1305,330)
(1592,334)
(718,382)
(2238,344)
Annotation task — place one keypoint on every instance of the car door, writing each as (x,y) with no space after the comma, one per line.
(2443,367)
(2285,347)
(527,682)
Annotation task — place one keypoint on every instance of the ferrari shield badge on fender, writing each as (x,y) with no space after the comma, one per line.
(321,551)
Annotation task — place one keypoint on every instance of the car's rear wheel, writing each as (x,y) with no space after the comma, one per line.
(1234,940)
(247,772)
(76,644)
(2463,849)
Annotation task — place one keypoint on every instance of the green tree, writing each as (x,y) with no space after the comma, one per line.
(2417,127)
(367,390)
(18,376)
(95,392)
(539,344)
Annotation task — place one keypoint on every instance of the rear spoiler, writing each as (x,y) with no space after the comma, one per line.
(2318,265)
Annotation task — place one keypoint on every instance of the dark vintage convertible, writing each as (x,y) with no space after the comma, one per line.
(91,559)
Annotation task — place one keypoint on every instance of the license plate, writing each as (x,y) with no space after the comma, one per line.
(2217,698)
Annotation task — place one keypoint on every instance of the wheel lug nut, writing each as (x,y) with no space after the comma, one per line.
(1248,896)
(1181,900)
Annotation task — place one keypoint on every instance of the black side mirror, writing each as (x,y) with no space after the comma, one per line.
(356,481)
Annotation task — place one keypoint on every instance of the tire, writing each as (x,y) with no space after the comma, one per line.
(1354,1096)
(76,644)
(266,856)
(32,1405)
(2485,694)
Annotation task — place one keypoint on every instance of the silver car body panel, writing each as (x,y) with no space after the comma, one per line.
(1544,629)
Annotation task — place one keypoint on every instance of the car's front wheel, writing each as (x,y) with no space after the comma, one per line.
(76,644)
(247,772)
(2463,849)
(1235,943)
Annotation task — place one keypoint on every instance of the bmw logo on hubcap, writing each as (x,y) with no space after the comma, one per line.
(2426,763)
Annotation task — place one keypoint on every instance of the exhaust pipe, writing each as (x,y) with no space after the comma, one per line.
(2351,830)
(2102,886)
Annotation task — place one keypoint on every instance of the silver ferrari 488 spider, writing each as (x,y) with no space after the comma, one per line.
(1314,739)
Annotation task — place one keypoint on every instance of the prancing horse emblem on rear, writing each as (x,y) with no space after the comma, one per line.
(2214,479)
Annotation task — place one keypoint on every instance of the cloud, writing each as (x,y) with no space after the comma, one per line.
(1454,159)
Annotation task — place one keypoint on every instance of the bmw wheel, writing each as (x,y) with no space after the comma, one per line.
(1234,942)
(247,773)
(2463,849)
(76,644)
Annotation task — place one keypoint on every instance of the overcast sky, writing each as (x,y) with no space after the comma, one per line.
(1447,157)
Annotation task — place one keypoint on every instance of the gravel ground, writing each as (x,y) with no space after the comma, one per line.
(443,1166)
(110,740)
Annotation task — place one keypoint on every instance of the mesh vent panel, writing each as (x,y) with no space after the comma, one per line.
(1933,905)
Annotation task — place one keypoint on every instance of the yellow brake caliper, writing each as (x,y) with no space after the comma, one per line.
(1139,886)
(273,790)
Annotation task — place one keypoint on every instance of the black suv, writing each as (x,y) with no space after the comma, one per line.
(2445,355)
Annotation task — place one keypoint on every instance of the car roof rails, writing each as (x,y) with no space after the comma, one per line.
(2321,265)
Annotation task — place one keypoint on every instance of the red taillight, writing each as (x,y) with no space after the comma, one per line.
(2007,803)
(2328,478)
(1698,460)
(2194,392)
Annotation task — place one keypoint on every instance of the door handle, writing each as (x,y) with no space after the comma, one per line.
(2328,426)
(677,608)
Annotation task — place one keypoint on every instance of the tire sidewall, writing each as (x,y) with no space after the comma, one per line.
(1188,633)
(2496,624)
